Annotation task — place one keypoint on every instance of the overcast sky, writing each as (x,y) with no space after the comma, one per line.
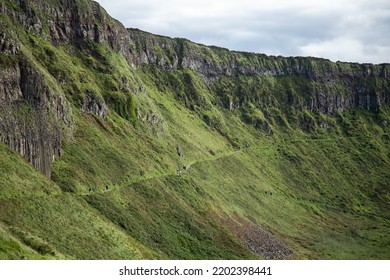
(346,30)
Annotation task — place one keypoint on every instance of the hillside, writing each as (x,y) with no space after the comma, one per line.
(280,158)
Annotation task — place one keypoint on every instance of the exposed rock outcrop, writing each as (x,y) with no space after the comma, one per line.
(34,118)
(7,45)
(92,104)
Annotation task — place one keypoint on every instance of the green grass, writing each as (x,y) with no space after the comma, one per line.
(307,199)
(18,179)
(262,165)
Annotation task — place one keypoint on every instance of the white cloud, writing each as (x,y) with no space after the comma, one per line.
(349,49)
(347,30)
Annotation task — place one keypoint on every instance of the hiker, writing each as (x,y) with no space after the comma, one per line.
(179,151)
(106,189)
(90,190)
(184,167)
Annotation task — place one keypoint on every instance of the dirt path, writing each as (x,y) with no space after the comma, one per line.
(216,157)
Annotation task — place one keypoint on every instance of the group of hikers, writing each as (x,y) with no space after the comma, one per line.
(179,171)
(105,189)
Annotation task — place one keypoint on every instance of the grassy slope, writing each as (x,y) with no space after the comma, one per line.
(323,193)
(46,223)
(322,204)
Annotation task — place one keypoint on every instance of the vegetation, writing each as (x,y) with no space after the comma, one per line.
(261,164)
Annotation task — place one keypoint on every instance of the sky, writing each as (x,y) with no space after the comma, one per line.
(345,30)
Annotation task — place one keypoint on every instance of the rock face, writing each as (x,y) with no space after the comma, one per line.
(36,116)
(339,86)
(71,22)
(7,45)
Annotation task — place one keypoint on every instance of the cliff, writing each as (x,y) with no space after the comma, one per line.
(34,118)
(312,84)
(338,86)
(35,115)
(140,146)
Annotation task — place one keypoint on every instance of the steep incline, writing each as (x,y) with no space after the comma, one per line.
(283,157)
(236,79)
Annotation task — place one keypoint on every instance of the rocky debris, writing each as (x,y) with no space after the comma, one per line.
(257,238)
